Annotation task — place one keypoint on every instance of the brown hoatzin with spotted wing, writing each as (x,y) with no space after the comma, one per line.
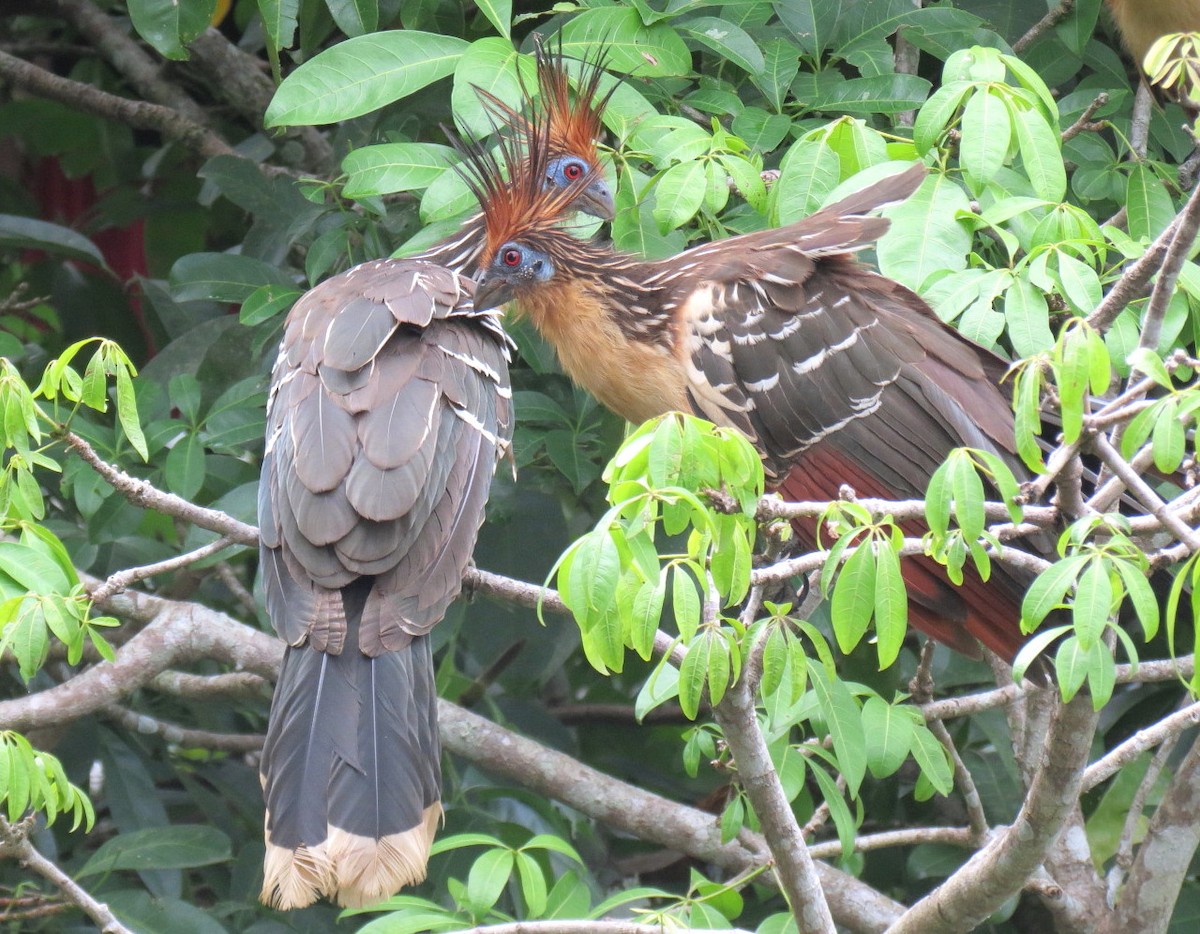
(835,373)
(389,408)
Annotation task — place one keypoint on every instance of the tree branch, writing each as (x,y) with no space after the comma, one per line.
(1002,868)
(1162,862)
(795,869)
(142,115)
(14,842)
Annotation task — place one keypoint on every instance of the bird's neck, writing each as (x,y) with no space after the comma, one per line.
(460,251)
(610,340)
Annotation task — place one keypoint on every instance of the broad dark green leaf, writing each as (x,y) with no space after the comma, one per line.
(361,75)
(169,25)
(390,167)
(222,277)
(726,39)
(176,847)
(644,51)
(26,233)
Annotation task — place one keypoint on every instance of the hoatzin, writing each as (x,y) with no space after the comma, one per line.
(389,408)
(835,373)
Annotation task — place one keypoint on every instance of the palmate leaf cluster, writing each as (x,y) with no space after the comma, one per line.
(729,117)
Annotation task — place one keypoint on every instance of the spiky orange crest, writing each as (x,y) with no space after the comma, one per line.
(572,126)
(518,204)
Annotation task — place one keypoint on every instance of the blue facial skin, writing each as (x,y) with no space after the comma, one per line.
(597,198)
(515,266)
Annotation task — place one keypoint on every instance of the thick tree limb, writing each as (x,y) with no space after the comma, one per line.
(1163,859)
(1002,868)
(177,633)
(795,869)
(139,114)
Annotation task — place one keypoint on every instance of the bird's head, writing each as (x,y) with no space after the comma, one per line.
(515,268)
(596,199)
(571,122)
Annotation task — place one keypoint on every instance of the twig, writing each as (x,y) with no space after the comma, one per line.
(1139,128)
(182,736)
(1142,490)
(1122,755)
(921,688)
(235,586)
(911,836)
(145,494)
(1049,21)
(229,684)
(603,926)
(14,843)
(123,579)
(1085,118)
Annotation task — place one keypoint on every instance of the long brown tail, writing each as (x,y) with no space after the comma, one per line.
(351,773)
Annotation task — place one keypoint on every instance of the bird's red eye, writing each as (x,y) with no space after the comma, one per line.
(511,257)
(573,171)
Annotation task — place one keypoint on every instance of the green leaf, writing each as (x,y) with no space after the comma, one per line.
(1027,318)
(533,884)
(646,615)
(679,194)
(842,819)
(127,413)
(729,41)
(354,17)
(177,847)
(844,720)
(1093,602)
(1149,205)
(169,25)
(930,755)
(1041,153)
(779,69)
(1141,595)
(391,167)
(266,302)
(633,48)
(891,734)
(279,18)
(492,65)
(853,600)
(1049,590)
(986,132)
(808,173)
(1071,667)
(184,466)
(498,12)
(487,878)
(26,233)
(363,74)
(891,605)
(685,600)
(926,236)
(222,277)
(692,675)
(937,112)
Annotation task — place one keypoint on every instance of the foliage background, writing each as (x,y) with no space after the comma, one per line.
(173,215)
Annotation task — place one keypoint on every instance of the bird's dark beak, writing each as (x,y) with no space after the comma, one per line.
(492,293)
(597,200)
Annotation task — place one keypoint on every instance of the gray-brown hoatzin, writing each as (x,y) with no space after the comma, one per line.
(835,373)
(389,409)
